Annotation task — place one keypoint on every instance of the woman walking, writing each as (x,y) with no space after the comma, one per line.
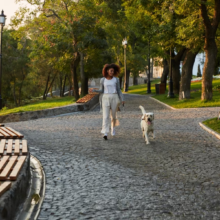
(111,97)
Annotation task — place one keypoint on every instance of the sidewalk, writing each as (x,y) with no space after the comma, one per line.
(175,177)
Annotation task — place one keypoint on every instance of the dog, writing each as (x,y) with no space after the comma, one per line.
(147,125)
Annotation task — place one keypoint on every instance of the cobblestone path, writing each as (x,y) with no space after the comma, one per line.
(177,176)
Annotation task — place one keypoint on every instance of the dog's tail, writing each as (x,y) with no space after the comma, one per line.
(142,109)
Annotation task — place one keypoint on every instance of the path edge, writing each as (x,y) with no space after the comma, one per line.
(163,103)
(209,130)
(30,209)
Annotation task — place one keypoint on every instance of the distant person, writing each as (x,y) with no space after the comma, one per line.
(111,97)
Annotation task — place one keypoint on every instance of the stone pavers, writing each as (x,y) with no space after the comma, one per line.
(175,177)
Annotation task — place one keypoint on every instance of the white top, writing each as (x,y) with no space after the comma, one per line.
(110,86)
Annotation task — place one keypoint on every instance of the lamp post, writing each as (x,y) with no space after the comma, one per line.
(148,74)
(2,24)
(170,92)
(124,43)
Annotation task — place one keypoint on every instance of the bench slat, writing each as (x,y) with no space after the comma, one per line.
(17,147)
(6,135)
(24,147)
(3,161)
(15,132)
(17,168)
(4,187)
(4,174)
(9,132)
(2,146)
(9,147)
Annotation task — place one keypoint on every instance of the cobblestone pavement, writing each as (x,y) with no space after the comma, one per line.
(177,176)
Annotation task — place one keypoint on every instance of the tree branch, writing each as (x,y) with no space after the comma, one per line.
(54,14)
(204,14)
(216,18)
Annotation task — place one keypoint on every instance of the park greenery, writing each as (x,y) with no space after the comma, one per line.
(60,44)
(193,102)
(35,105)
(213,123)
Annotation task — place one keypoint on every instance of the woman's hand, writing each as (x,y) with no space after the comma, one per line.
(123,103)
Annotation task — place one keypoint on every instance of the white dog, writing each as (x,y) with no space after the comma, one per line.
(147,125)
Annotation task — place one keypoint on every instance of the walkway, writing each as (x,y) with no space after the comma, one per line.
(177,176)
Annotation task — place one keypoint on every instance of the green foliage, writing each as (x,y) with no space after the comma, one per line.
(213,123)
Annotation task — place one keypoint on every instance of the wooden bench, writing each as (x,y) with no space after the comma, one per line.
(11,166)
(4,187)
(9,133)
(13,147)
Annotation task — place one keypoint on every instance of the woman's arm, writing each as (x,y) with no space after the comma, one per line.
(121,96)
(100,90)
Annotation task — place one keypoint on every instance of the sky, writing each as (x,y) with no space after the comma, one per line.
(9,7)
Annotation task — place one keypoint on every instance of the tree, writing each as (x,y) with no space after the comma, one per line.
(211,25)
(199,74)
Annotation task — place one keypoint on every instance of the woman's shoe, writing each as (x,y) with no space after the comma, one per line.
(113,131)
(105,137)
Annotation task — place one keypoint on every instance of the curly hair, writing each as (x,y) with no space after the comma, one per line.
(109,66)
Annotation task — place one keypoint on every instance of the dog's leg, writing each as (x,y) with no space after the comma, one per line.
(146,138)
(153,134)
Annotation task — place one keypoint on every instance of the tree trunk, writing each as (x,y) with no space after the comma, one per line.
(45,91)
(74,66)
(61,86)
(211,25)
(86,85)
(165,73)
(14,95)
(82,75)
(120,81)
(199,71)
(50,86)
(187,74)
(209,69)
(134,80)
(64,85)
(176,70)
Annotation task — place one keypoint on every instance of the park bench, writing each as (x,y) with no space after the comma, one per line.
(4,187)
(13,147)
(13,153)
(9,133)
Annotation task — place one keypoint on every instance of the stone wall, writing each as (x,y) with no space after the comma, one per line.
(25,116)
(16,195)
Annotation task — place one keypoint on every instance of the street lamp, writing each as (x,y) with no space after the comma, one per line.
(148,74)
(124,43)
(2,24)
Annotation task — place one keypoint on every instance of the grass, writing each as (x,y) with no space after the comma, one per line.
(40,105)
(213,123)
(142,89)
(193,102)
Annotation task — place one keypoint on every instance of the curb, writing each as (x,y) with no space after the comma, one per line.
(163,103)
(209,130)
(50,112)
(31,209)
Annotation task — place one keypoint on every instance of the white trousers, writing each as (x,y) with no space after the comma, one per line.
(110,103)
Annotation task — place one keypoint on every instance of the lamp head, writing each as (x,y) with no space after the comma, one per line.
(2,18)
(124,42)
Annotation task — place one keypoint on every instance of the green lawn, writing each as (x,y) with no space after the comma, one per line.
(142,89)
(193,102)
(40,105)
(213,123)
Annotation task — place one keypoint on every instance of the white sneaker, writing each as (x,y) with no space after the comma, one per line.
(113,131)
